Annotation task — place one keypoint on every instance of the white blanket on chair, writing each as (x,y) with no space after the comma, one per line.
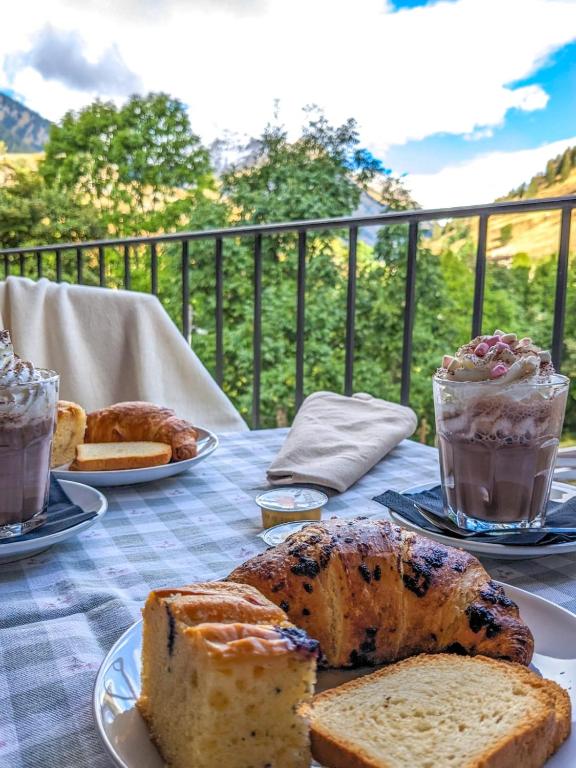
(109,346)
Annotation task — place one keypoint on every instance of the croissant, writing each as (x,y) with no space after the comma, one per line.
(371,592)
(125,422)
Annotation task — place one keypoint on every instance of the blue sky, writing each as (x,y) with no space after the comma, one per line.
(520,130)
(466,98)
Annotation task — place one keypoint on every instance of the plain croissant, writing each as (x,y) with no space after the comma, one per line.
(129,422)
(372,592)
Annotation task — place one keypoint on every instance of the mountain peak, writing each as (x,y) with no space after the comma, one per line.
(21,129)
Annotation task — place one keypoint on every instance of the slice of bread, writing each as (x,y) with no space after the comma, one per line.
(69,432)
(441,711)
(94,457)
(223,676)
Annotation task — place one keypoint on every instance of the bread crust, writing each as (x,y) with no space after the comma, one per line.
(529,746)
(69,432)
(141,421)
(159,454)
(372,592)
(216,601)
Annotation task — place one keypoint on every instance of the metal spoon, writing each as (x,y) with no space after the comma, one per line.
(446,524)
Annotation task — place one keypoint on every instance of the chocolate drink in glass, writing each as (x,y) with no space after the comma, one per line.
(499,412)
(28,400)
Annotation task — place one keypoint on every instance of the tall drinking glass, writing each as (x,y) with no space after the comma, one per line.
(498,446)
(27,415)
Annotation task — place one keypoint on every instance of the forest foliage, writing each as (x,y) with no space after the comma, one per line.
(113,171)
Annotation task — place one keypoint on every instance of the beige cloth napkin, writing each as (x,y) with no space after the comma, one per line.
(335,440)
(109,346)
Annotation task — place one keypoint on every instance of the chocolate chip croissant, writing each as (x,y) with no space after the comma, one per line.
(127,422)
(372,592)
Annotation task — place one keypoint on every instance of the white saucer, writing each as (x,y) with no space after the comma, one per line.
(207,444)
(88,499)
(125,735)
(560,492)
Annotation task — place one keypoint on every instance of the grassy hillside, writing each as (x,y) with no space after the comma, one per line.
(534,234)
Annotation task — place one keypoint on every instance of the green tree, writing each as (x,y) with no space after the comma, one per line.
(551,171)
(533,187)
(31,213)
(506,234)
(566,164)
(140,164)
(319,175)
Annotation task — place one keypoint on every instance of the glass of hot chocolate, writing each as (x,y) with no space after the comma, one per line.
(499,412)
(28,401)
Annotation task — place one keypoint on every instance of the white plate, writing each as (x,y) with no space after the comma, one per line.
(560,492)
(126,739)
(88,499)
(207,444)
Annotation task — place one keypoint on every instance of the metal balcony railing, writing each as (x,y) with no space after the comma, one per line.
(565,205)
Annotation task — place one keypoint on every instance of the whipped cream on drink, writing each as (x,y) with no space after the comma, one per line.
(499,413)
(500,357)
(13,370)
(28,398)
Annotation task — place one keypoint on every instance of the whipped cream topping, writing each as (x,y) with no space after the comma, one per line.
(501,357)
(13,370)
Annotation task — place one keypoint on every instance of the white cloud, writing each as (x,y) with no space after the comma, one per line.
(483,178)
(479,133)
(58,55)
(446,67)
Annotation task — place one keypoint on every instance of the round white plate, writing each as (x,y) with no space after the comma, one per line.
(560,492)
(126,739)
(207,444)
(88,499)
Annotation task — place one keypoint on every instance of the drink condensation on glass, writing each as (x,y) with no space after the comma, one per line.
(27,415)
(498,446)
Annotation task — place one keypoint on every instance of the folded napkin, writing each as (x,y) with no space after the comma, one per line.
(61,514)
(561,515)
(335,440)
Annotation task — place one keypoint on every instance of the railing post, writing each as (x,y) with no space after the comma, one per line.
(22,265)
(300,317)
(219,267)
(153,269)
(480,278)
(185,290)
(102,266)
(127,280)
(257,332)
(350,311)
(39,265)
(79,266)
(561,284)
(409,312)
(6,266)
(58,265)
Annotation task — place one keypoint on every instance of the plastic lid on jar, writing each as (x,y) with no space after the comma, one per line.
(279,533)
(292,499)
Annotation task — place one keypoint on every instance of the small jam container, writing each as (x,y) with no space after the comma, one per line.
(285,505)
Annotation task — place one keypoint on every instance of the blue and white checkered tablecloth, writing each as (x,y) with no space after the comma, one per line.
(62,610)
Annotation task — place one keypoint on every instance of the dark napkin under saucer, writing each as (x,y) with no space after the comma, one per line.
(61,514)
(561,515)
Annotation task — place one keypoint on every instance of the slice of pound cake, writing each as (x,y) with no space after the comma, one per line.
(223,677)
(441,711)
